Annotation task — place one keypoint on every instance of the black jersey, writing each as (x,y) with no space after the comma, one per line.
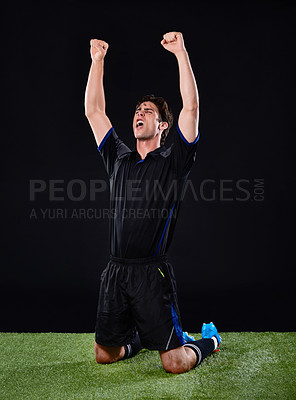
(145,195)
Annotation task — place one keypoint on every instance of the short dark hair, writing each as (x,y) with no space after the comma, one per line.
(164,111)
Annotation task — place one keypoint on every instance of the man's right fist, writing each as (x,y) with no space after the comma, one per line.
(98,49)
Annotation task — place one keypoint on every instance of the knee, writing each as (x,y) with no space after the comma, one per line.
(175,361)
(105,357)
(175,367)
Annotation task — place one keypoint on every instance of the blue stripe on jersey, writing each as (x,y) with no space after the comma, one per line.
(165,229)
(177,325)
(183,138)
(105,138)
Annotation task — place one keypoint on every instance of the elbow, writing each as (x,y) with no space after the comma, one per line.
(192,107)
(90,112)
(191,110)
(190,103)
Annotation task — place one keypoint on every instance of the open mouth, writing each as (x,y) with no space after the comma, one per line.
(139,124)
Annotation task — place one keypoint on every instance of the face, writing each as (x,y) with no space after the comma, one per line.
(146,121)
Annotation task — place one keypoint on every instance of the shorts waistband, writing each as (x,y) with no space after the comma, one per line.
(146,260)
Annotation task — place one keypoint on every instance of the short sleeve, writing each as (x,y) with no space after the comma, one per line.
(112,149)
(184,153)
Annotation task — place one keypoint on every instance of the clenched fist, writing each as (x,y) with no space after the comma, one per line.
(98,49)
(173,42)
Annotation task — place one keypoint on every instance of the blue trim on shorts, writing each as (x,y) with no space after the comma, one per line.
(177,325)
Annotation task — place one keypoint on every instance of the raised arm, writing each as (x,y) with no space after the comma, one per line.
(189,115)
(94,93)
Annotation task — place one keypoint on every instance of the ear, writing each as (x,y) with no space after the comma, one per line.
(163,125)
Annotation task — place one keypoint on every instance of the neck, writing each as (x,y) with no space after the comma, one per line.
(145,146)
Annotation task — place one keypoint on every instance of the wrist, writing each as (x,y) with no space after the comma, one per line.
(98,62)
(181,53)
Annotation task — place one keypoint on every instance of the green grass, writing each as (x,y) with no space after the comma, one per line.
(60,366)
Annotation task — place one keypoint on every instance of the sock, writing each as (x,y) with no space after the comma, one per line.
(202,348)
(133,348)
(215,342)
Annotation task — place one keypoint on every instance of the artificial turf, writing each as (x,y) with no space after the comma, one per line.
(60,366)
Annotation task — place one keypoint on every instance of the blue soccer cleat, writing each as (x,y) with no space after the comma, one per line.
(188,338)
(208,331)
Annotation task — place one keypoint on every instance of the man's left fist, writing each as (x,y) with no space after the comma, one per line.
(173,42)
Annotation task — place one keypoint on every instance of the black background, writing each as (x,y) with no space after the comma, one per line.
(233,259)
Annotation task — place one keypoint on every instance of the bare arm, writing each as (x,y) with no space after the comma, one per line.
(189,115)
(94,93)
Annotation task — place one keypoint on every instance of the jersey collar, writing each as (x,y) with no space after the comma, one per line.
(159,151)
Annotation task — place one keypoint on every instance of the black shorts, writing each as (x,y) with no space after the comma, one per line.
(139,294)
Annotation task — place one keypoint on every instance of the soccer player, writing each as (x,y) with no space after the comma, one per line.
(138,304)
